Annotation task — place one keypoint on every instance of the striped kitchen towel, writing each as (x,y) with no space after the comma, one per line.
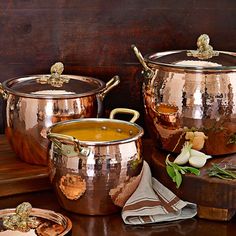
(152,202)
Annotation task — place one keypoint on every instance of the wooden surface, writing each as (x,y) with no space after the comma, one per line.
(113,225)
(94,37)
(215,197)
(17,176)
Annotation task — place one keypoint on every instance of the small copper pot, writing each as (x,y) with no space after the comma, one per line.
(36,102)
(92,176)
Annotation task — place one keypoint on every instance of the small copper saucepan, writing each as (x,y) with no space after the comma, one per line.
(94,160)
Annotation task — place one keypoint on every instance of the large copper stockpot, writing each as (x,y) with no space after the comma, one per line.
(95,163)
(191,93)
(36,102)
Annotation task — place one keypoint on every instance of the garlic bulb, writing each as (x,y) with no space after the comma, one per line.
(197,139)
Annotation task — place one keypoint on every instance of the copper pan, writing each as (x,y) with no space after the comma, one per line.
(34,103)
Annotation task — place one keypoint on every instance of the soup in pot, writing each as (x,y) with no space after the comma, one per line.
(97,131)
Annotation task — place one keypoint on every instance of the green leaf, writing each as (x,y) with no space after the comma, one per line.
(178,179)
(176,171)
(193,170)
(170,171)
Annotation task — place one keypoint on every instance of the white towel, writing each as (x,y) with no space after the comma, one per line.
(152,202)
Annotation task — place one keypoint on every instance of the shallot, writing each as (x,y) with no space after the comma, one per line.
(184,156)
(197,161)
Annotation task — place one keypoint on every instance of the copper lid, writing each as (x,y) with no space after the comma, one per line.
(54,85)
(203,58)
(25,220)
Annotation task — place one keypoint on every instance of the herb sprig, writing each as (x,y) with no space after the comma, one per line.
(176,171)
(222,172)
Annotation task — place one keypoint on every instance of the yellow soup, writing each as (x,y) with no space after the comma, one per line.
(97,134)
(97,131)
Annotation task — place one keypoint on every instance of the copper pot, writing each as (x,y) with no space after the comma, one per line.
(36,102)
(95,163)
(191,91)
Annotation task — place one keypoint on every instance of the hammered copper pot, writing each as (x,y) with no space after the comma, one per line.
(191,91)
(34,103)
(95,163)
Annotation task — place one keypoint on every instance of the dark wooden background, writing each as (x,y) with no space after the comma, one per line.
(94,37)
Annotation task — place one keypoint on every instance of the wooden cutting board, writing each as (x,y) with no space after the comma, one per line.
(17,176)
(216,198)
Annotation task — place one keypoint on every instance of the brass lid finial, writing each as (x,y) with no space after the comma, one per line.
(56,80)
(204,50)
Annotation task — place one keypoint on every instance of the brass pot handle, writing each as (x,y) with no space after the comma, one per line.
(147,72)
(126,111)
(59,138)
(113,82)
(3,92)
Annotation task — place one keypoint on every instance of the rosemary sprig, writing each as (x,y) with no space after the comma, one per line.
(222,172)
(176,171)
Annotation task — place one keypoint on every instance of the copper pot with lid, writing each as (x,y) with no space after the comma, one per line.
(191,92)
(34,103)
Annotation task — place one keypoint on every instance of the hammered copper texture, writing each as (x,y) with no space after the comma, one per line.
(205,102)
(104,169)
(29,118)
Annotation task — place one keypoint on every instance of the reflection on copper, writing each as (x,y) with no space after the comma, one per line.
(167,114)
(49,228)
(72,186)
(121,193)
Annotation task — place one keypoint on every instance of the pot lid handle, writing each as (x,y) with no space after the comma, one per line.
(204,50)
(55,79)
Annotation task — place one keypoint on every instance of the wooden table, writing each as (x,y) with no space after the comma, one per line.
(91,225)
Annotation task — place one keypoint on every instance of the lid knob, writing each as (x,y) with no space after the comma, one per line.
(55,79)
(21,220)
(204,50)
(57,68)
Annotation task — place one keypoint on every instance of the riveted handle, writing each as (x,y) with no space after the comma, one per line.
(126,111)
(67,139)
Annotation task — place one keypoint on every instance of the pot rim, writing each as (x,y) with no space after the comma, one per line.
(98,120)
(6,83)
(148,60)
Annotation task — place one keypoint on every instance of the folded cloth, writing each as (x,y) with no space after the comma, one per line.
(152,202)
